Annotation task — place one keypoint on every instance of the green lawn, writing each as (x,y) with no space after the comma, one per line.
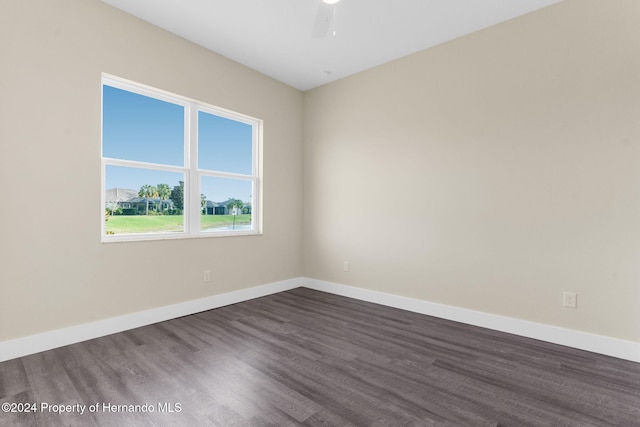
(122,224)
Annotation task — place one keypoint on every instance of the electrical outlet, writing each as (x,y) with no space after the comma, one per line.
(345,266)
(570,300)
(206,276)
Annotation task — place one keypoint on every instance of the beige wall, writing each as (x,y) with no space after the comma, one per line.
(54,272)
(492,172)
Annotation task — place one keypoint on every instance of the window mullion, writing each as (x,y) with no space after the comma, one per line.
(142,165)
(193,196)
(205,172)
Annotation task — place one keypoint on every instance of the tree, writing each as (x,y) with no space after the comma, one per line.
(177,196)
(112,206)
(147,191)
(164,192)
(203,203)
(235,206)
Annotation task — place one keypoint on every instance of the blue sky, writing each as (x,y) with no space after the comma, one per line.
(140,128)
(223,144)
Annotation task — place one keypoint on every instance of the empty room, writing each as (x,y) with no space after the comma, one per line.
(320,212)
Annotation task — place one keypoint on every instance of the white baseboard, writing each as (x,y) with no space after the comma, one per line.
(48,340)
(622,349)
(615,347)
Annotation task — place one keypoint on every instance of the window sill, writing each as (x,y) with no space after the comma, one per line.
(150,237)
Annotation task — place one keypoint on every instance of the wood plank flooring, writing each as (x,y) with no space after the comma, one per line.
(309,358)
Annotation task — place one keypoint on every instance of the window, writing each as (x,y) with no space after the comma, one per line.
(173,167)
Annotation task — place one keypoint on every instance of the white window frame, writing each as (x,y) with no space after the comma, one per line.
(192,175)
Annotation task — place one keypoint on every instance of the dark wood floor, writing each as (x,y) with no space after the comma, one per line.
(304,357)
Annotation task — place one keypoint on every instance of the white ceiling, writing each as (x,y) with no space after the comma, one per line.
(275,37)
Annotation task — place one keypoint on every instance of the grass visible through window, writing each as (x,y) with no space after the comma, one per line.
(124,224)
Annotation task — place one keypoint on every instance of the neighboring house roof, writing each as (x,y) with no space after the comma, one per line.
(119,195)
(151,199)
(130,196)
(211,204)
(138,200)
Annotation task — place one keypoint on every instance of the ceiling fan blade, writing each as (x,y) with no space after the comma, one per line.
(325,18)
